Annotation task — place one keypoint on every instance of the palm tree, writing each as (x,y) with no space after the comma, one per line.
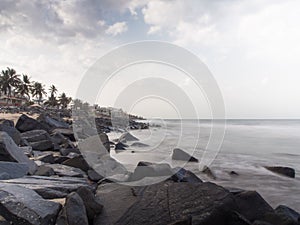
(25,86)
(9,80)
(38,91)
(53,90)
(64,101)
(52,101)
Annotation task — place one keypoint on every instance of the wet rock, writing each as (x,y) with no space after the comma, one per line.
(45,171)
(26,123)
(127,137)
(49,187)
(252,206)
(179,154)
(66,171)
(164,203)
(91,203)
(73,212)
(183,175)
(208,172)
(23,206)
(288,213)
(13,170)
(105,141)
(144,169)
(77,162)
(10,152)
(285,171)
(120,146)
(12,132)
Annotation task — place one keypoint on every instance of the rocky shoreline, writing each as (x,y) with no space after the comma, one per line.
(44,179)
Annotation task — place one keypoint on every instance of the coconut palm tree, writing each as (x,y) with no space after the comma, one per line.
(38,91)
(64,101)
(9,80)
(52,100)
(53,90)
(24,88)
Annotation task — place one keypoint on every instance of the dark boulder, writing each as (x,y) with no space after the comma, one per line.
(10,152)
(179,154)
(20,205)
(120,146)
(77,162)
(73,213)
(285,171)
(208,172)
(94,176)
(51,123)
(36,135)
(42,145)
(183,175)
(44,170)
(14,170)
(165,203)
(26,123)
(288,212)
(127,137)
(47,158)
(252,206)
(66,132)
(66,171)
(91,203)
(12,132)
(105,141)
(67,151)
(7,122)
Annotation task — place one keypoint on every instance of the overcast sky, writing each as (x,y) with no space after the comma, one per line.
(251,47)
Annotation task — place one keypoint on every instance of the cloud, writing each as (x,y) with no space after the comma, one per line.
(117,28)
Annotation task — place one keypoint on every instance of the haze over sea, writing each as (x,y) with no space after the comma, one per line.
(248,146)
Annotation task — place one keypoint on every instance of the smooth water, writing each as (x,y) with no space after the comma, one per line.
(247,147)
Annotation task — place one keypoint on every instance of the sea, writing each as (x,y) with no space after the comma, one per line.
(243,146)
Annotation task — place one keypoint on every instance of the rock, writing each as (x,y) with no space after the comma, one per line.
(14,170)
(27,150)
(26,123)
(285,171)
(288,212)
(139,144)
(20,205)
(252,206)
(49,187)
(36,135)
(42,145)
(47,158)
(12,132)
(77,162)
(91,203)
(105,141)
(67,151)
(60,159)
(183,175)
(51,123)
(45,171)
(179,154)
(233,173)
(66,132)
(4,176)
(73,212)
(58,138)
(208,172)
(7,122)
(164,203)
(151,170)
(259,222)
(94,176)
(278,219)
(66,171)
(127,137)
(10,152)
(120,146)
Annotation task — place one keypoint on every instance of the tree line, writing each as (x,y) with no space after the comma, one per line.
(16,85)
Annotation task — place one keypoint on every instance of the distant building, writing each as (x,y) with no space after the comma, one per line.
(6,100)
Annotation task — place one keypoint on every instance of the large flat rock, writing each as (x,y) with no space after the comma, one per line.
(164,203)
(49,187)
(10,152)
(20,205)
(14,170)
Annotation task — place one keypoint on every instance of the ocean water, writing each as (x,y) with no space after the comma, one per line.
(247,147)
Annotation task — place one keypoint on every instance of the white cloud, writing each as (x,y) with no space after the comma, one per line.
(117,28)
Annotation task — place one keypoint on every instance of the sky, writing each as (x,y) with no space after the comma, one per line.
(251,47)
